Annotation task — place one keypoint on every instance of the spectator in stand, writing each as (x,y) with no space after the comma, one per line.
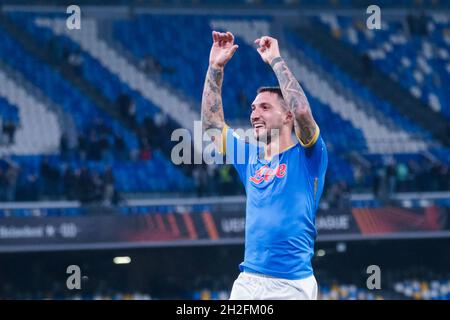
(338,195)
(75,60)
(69,183)
(417,24)
(132,114)
(146,152)
(366,64)
(9,130)
(378,181)
(358,177)
(3,185)
(402,176)
(64,146)
(109,189)
(391,178)
(435,170)
(213,178)
(98,187)
(344,196)
(161,121)
(100,126)
(12,174)
(29,190)
(85,186)
(201,179)
(50,179)
(93,147)
(148,130)
(150,66)
(422,176)
(444,178)
(196,174)
(105,148)
(127,109)
(225,180)
(413,170)
(120,148)
(82,146)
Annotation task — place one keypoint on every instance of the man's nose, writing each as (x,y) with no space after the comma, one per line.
(254,115)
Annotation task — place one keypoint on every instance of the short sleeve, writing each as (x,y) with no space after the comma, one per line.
(316,157)
(236,151)
(316,154)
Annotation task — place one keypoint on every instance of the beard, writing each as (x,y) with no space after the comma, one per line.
(262,136)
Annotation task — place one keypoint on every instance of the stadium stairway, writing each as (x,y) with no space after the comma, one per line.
(46,55)
(90,41)
(379,136)
(39,130)
(418,62)
(396,134)
(384,87)
(66,123)
(170,177)
(89,89)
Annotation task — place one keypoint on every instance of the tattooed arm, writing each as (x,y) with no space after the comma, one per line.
(222,50)
(296,100)
(293,93)
(212,110)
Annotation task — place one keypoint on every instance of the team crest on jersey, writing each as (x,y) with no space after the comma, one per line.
(265,173)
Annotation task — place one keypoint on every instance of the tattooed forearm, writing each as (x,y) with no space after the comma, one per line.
(295,98)
(306,129)
(292,91)
(212,110)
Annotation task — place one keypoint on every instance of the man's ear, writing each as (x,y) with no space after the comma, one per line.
(289,117)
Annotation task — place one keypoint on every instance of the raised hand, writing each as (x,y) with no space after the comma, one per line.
(268,48)
(222,50)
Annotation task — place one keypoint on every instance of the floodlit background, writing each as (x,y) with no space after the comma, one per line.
(86,118)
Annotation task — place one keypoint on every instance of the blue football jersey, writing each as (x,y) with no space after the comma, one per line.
(282,198)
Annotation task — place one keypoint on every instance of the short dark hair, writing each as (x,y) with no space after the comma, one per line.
(276,90)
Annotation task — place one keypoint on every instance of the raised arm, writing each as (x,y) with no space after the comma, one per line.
(222,50)
(293,93)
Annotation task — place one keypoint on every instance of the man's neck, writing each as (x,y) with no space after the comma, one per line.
(278,145)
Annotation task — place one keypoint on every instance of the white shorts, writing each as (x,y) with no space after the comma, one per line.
(253,286)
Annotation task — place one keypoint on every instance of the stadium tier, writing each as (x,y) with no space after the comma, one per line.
(413,51)
(89,150)
(126,62)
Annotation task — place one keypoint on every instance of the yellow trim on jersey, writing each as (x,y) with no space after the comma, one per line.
(313,140)
(285,149)
(223,147)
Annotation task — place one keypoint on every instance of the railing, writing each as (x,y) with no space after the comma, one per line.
(219,200)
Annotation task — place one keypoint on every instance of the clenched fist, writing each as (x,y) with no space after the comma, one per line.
(268,48)
(222,50)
